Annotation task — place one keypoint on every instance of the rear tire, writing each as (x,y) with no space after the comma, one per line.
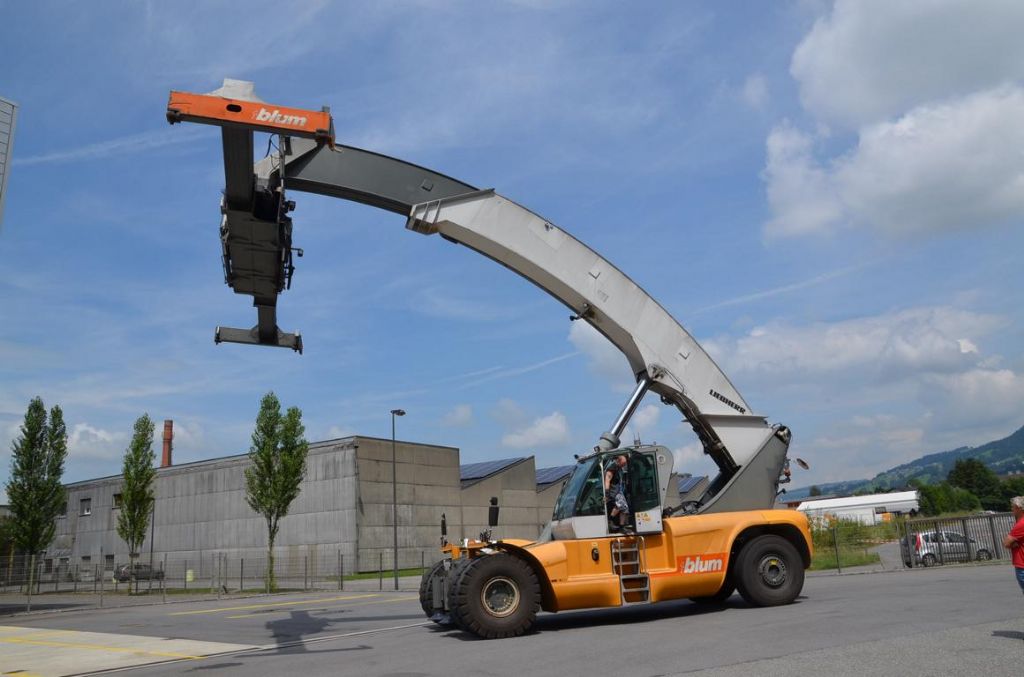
(769,571)
(455,574)
(427,589)
(497,596)
(984,555)
(929,560)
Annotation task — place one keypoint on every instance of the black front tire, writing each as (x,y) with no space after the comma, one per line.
(929,560)
(769,571)
(497,596)
(984,555)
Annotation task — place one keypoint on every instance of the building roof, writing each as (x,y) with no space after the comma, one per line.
(549,476)
(688,483)
(858,501)
(474,472)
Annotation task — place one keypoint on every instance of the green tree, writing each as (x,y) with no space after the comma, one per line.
(938,499)
(1012,486)
(815,490)
(34,489)
(977,478)
(138,475)
(278,466)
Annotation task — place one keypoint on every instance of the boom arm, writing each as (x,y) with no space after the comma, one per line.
(663,356)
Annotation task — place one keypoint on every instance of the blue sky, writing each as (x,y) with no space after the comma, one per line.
(828,196)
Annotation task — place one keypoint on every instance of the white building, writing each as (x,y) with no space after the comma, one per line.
(869,509)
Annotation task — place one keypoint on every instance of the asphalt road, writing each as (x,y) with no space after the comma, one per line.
(948,621)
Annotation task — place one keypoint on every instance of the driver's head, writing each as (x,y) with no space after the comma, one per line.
(620,460)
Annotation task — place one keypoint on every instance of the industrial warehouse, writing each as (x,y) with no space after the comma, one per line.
(344,509)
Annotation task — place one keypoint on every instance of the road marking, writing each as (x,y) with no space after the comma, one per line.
(270,647)
(378,601)
(96,647)
(270,605)
(44,652)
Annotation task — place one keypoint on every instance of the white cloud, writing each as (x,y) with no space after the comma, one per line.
(976,397)
(950,166)
(550,430)
(645,420)
(869,61)
(459,417)
(87,442)
(755,91)
(889,345)
(604,359)
(802,194)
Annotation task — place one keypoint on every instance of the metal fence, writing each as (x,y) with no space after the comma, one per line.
(211,573)
(937,541)
(909,543)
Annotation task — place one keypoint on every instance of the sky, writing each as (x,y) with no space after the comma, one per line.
(828,196)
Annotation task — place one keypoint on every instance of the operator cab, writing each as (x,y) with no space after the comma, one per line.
(581,511)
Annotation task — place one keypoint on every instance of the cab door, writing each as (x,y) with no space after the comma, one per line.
(645,492)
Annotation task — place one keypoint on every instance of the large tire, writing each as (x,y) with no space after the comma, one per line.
(497,596)
(769,571)
(427,588)
(455,574)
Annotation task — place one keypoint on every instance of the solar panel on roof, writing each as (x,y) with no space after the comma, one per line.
(475,471)
(554,474)
(688,483)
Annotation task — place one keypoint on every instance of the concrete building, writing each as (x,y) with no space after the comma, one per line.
(514,482)
(868,509)
(344,509)
(549,485)
(345,506)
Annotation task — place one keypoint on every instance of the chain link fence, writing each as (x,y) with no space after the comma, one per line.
(214,573)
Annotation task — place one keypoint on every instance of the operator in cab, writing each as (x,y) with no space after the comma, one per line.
(615,493)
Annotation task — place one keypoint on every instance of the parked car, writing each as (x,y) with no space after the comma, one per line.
(142,572)
(938,547)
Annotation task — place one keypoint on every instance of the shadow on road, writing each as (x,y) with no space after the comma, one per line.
(1009,634)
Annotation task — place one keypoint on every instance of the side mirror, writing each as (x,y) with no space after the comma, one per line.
(492,513)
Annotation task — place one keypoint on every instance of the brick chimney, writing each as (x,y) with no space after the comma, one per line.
(165,460)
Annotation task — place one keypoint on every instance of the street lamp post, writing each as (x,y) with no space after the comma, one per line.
(394,492)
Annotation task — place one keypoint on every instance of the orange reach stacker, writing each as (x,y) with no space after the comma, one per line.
(729,538)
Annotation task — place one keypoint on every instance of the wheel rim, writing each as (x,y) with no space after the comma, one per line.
(772,570)
(500,596)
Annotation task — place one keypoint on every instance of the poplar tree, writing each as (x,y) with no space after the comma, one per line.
(34,489)
(138,475)
(278,466)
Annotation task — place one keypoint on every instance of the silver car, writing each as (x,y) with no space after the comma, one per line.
(939,547)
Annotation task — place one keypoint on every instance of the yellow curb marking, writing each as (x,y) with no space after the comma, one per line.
(97,647)
(267,606)
(379,601)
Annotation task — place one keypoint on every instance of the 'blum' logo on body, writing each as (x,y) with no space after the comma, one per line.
(278,117)
(701,564)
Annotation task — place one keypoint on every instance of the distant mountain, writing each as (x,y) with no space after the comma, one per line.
(1002,456)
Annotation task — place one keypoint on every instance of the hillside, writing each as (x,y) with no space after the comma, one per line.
(1002,456)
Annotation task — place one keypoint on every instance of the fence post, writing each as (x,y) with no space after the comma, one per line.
(339,571)
(380,571)
(835,546)
(305,573)
(213,575)
(163,579)
(241,574)
(997,549)
(184,576)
